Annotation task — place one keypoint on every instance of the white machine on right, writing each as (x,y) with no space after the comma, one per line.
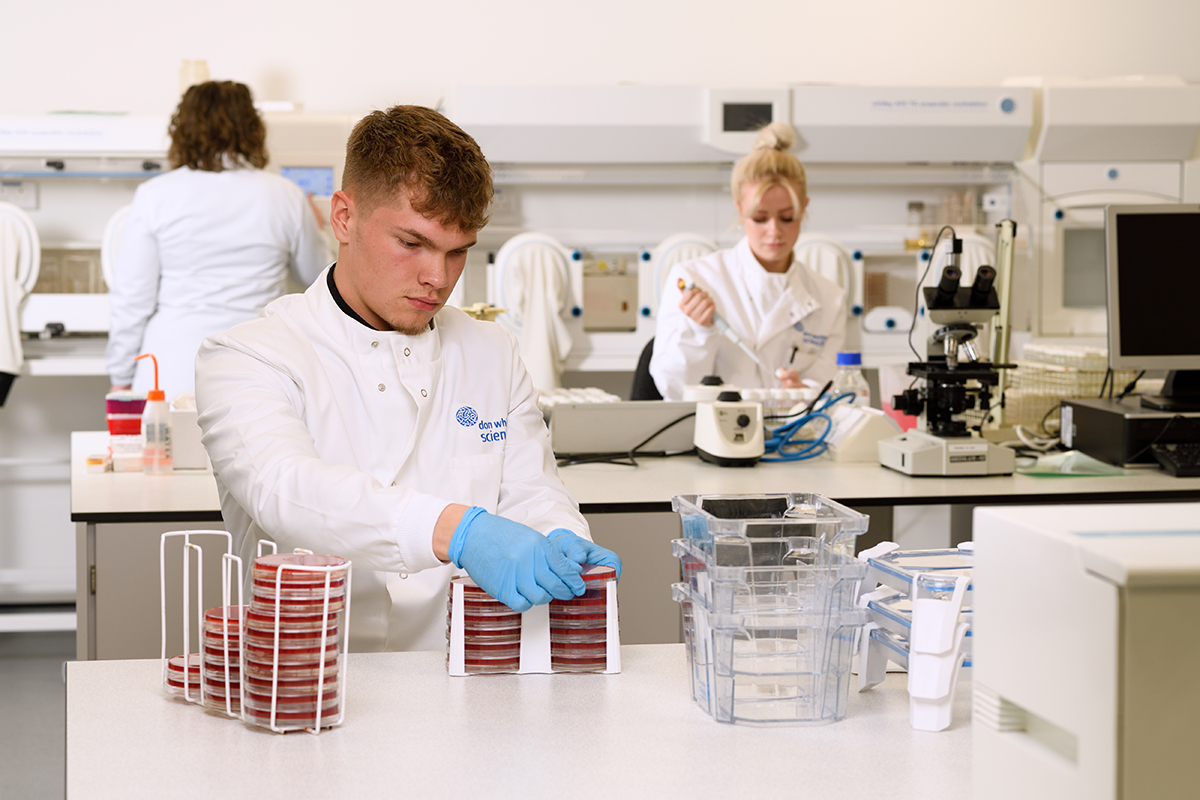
(1086,652)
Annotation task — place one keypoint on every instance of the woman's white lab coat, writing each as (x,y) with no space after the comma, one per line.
(203,251)
(328,435)
(794,319)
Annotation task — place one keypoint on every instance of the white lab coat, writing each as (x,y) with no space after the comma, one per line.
(201,252)
(328,435)
(773,313)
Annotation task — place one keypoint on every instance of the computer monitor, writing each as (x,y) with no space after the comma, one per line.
(1153,260)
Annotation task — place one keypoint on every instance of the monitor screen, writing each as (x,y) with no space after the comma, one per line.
(1153,255)
(316,181)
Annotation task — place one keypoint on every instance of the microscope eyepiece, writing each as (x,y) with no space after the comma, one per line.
(947,287)
(985,276)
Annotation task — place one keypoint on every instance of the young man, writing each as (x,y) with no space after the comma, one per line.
(363,419)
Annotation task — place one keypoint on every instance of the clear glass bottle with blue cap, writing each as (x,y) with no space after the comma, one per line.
(849,378)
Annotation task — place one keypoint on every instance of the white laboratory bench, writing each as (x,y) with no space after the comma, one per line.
(410,730)
(119,516)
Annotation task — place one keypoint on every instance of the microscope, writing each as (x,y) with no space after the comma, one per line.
(954,380)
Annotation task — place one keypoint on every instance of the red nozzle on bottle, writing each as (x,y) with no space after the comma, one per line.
(155,393)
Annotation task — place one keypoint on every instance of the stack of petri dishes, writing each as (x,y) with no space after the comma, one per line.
(123,411)
(579,627)
(181,683)
(222,652)
(291,641)
(491,630)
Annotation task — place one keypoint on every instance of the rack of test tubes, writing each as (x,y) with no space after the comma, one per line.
(277,662)
(768,605)
(579,635)
(919,604)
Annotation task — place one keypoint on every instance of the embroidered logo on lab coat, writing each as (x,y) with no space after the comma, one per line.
(813,339)
(489,431)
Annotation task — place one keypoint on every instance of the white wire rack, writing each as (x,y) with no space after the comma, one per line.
(211,682)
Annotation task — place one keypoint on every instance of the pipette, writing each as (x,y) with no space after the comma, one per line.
(720,324)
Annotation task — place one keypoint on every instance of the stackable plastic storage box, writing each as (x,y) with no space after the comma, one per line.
(768,604)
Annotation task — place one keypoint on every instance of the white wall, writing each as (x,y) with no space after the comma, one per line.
(352,55)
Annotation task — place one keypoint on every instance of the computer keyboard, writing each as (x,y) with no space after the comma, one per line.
(1181,460)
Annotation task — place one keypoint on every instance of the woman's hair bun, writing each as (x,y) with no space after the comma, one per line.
(776,136)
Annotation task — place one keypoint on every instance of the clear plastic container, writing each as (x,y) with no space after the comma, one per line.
(849,378)
(768,605)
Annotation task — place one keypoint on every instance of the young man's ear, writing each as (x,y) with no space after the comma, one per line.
(342,216)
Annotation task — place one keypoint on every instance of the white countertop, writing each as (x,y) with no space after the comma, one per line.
(656,481)
(410,730)
(183,496)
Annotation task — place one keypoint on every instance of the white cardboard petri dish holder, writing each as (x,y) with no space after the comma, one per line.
(276,709)
(535,646)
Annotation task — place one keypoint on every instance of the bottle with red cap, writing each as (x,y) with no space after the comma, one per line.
(156,428)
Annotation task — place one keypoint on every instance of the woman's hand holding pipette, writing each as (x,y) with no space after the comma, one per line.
(789,378)
(697,304)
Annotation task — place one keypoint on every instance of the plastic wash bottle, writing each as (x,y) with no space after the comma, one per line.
(156,429)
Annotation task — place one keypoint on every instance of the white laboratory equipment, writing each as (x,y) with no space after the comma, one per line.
(1085,660)
(1104,141)
(920,608)
(729,430)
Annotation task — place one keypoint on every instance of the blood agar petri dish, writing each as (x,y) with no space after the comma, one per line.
(291,638)
(291,720)
(269,605)
(269,566)
(267,621)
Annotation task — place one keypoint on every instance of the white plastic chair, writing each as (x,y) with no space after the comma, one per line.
(657,263)
(533,279)
(29,246)
(110,244)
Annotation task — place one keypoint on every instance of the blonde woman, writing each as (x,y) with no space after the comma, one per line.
(792,318)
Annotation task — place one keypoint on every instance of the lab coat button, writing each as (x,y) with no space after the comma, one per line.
(374,345)
(382,387)
(406,351)
(424,393)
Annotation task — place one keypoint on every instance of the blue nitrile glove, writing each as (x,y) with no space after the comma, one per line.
(582,551)
(512,562)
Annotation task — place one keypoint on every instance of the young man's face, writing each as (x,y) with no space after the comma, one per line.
(396,268)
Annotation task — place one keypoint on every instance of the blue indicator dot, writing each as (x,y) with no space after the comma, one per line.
(857,311)
(1007,105)
(576,255)
(576,312)
(645,311)
(1059,214)
(645,255)
(924,255)
(890,323)
(857,255)
(1113,174)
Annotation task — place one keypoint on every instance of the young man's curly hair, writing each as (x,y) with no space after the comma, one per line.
(417,149)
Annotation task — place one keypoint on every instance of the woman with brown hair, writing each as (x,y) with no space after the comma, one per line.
(208,244)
